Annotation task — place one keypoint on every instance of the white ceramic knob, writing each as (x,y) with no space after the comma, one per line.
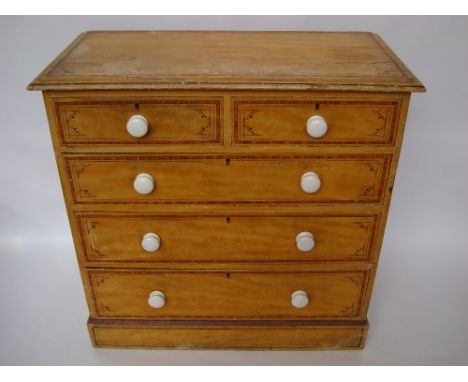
(156,299)
(299,299)
(137,126)
(151,242)
(143,183)
(305,241)
(310,182)
(317,126)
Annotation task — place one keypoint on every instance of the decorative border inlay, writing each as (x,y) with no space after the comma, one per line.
(82,192)
(369,160)
(361,280)
(85,221)
(211,128)
(243,131)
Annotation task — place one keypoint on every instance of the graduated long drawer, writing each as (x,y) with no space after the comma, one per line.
(221,295)
(187,238)
(227,178)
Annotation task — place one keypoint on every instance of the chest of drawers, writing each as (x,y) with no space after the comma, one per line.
(227,189)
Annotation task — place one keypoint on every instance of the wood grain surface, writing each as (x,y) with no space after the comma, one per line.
(283,120)
(108,238)
(276,335)
(228,295)
(220,60)
(171,121)
(228,179)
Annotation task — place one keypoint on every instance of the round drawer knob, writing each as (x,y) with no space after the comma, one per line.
(305,241)
(299,299)
(317,126)
(151,242)
(143,183)
(156,299)
(310,182)
(137,126)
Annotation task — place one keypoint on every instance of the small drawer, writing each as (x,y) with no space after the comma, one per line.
(233,295)
(155,121)
(214,179)
(147,238)
(304,121)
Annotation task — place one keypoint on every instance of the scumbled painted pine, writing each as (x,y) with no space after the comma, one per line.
(227,189)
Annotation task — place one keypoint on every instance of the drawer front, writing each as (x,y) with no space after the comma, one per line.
(236,295)
(227,238)
(234,179)
(284,121)
(170,121)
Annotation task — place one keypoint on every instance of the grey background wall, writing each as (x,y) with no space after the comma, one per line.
(419,311)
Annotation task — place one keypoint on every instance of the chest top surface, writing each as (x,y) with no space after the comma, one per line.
(355,61)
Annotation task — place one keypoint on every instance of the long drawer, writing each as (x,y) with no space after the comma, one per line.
(188,238)
(233,295)
(214,179)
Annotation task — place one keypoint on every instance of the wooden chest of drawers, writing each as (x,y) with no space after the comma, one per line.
(227,189)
